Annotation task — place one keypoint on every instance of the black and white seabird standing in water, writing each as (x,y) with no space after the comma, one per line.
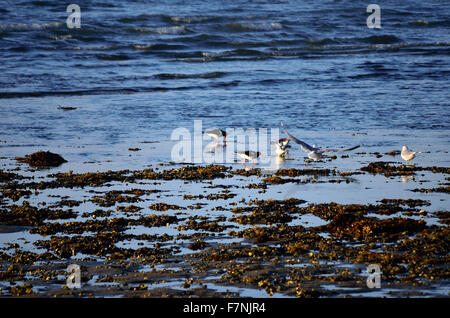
(250,156)
(216,133)
(314,152)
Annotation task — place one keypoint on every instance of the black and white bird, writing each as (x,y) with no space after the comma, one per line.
(250,156)
(408,154)
(314,152)
(283,142)
(282,147)
(216,133)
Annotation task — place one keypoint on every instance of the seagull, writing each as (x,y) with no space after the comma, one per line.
(282,147)
(250,156)
(408,154)
(283,142)
(216,133)
(314,152)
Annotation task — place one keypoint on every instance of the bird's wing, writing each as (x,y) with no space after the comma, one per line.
(303,145)
(215,131)
(339,150)
(410,152)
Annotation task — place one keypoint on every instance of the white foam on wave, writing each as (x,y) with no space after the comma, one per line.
(142,46)
(263,26)
(29,26)
(162,30)
(215,54)
(60,38)
(191,19)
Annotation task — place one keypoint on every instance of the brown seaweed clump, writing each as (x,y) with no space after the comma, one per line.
(42,159)
(186,173)
(382,167)
(164,207)
(440,189)
(303,172)
(443,216)
(393,153)
(8,176)
(267,211)
(98,226)
(350,227)
(24,289)
(408,202)
(199,244)
(204,224)
(28,215)
(112,197)
(279,180)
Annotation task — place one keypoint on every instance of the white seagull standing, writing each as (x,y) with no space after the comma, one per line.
(314,152)
(408,154)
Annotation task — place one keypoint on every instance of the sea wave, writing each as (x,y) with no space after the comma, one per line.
(94,91)
(133,19)
(237,52)
(113,57)
(172,30)
(42,3)
(29,26)
(56,37)
(381,39)
(424,23)
(263,26)
(157,46)
(193,19)
(168,76)
(324,41)
(317,51)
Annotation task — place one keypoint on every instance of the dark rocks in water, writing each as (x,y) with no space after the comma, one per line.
(42,159)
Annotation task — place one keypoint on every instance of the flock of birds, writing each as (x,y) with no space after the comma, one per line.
(282,148)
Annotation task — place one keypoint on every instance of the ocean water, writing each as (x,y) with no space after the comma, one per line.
(137,70)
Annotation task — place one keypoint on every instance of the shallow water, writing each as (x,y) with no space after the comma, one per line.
(135,71)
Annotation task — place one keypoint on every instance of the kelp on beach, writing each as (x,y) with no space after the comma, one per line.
(219,241)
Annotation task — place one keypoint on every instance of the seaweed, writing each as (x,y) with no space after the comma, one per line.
(42,159)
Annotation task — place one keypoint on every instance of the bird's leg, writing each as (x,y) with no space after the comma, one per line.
(244,165)
(254,163)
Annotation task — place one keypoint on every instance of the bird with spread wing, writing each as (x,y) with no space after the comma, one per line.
(315,153)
